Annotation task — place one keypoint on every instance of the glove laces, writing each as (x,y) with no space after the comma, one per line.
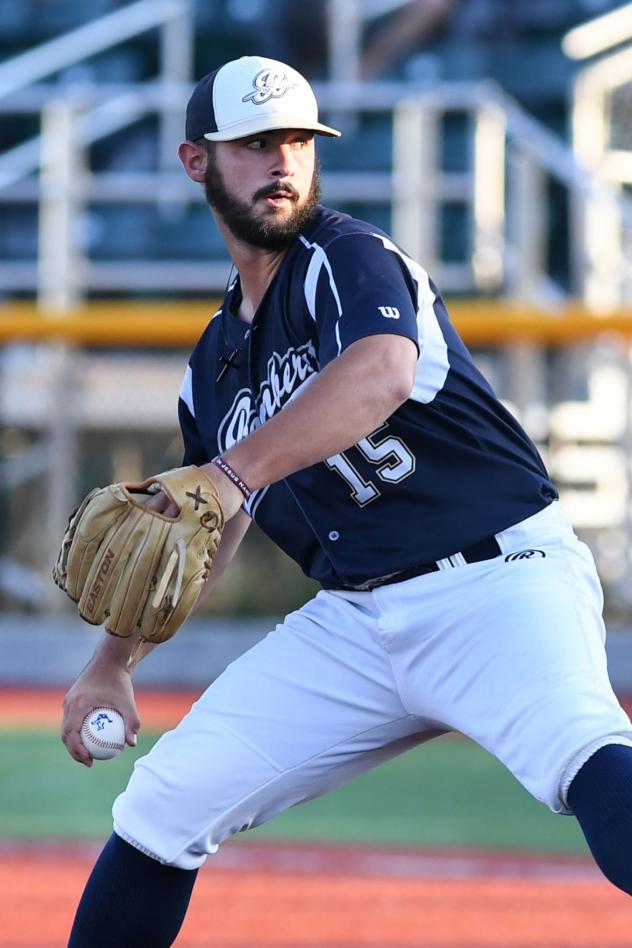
(176,560)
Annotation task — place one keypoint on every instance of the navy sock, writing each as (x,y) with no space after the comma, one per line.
(601,798)
(131,901)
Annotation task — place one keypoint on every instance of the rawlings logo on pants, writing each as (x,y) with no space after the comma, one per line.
(524,555)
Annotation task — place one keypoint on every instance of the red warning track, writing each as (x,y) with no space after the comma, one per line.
(30,708)
(263,896)
(35,707)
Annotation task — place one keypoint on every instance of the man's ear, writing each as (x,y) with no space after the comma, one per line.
(194,159)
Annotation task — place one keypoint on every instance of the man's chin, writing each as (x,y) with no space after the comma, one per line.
(265,226)
(270,232)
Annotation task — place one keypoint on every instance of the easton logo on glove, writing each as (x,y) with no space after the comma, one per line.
(98,584)
(135,569)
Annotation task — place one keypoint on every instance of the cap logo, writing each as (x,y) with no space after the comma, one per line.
(269,84)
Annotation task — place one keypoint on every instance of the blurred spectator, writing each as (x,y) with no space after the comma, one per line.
(410,27)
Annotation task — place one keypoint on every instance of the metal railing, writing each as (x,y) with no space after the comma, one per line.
(172,17)
(502,191)
(59,154)
(513,157)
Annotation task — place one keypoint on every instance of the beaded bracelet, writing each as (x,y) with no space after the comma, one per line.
(232,475)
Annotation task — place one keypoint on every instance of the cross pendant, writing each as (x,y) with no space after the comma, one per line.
(229,363)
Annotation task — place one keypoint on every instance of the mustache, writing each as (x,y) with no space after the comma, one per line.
(277,187)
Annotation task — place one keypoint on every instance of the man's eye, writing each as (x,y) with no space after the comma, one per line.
(256,144)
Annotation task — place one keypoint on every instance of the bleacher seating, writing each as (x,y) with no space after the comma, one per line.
(516,43)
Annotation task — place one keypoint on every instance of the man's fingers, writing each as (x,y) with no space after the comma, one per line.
(71,735)
(90,691)
(132,727)
(76,707)
(163,504)
(74,746)
(74,713)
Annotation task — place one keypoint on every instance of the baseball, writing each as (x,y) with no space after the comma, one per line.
(103,733)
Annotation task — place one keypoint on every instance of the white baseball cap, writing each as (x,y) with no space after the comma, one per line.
(249,95)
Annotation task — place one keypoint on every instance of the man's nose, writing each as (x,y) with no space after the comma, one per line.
(283,164)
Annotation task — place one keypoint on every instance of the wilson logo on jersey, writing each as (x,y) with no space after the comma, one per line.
(525,555)
(389,312)
(269,84)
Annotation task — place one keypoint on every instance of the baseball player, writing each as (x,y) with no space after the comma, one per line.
(331,401)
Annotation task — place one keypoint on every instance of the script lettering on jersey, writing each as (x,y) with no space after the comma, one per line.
(285,375)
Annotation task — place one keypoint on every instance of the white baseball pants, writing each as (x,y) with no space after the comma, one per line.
(509,651)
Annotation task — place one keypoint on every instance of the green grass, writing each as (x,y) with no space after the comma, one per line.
(449,793)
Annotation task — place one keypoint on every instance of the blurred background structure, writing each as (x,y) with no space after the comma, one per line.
(492,139)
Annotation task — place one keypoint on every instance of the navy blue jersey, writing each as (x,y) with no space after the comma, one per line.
(450,467)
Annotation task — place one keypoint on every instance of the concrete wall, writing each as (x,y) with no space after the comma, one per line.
(50,652)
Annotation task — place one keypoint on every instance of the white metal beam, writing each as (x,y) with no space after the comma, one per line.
(599,34)
(85,41)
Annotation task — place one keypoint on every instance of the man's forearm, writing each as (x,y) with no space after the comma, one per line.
(121,653)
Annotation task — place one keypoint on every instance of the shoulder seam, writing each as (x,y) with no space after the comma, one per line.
(311,244)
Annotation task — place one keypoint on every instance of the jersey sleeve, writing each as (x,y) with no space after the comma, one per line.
(360,286)
(194,450)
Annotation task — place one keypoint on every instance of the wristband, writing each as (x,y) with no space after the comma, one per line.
(232,475)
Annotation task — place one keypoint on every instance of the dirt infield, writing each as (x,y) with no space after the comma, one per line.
(259,896)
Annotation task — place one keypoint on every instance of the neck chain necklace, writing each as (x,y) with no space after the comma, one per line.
(230,361)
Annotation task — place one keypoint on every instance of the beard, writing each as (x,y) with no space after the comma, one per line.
(267,231)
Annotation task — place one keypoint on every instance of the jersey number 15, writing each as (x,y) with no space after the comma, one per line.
(394,463)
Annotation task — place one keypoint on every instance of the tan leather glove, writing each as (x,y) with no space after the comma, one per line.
(135,569)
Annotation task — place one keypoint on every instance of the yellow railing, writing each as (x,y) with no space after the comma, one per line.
(115,323)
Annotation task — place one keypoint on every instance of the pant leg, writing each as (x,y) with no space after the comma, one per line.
(511,653)
(306,709)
